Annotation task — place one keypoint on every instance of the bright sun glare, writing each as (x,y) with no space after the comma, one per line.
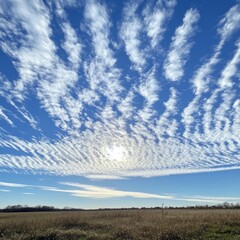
(116,153)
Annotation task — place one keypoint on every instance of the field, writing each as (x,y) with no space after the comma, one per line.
(122,224)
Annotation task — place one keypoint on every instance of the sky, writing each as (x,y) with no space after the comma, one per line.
(107,104)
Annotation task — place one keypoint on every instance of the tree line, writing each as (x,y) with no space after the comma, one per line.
(43,208)
(38,208)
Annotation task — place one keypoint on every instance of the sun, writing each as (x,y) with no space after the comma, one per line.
(116,153)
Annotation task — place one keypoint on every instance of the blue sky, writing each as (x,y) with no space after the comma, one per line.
(119,103)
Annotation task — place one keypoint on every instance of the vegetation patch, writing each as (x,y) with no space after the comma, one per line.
(175,224)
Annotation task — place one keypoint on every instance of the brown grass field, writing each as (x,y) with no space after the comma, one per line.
(122,224)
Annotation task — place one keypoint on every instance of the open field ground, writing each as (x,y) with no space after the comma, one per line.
(122,224)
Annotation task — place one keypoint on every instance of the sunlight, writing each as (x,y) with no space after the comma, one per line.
(116,153)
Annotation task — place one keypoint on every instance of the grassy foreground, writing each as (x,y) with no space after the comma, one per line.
(122,224)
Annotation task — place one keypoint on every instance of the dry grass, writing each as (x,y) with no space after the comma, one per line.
(122,224)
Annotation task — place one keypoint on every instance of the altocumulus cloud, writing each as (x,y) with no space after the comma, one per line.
(93,98)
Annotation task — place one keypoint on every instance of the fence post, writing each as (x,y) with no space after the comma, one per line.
(162,211)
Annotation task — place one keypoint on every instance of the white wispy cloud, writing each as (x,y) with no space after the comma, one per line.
(140,152)
(219,119)
(14,185)
(4,190)
(91,191)
(104,177)
(35,56)
(202,78)
(181,46)
(97,192)
(5,117)
(102,192)
(130,33)
(167,124)
(71,45)
(35,49)
(209,199)
(6,92)
(101,72)
(25,114)
(97,18)
(126,106)
(156,18)
(221,116)
(231,70)
(227,27)
(229,23)
(149,88)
